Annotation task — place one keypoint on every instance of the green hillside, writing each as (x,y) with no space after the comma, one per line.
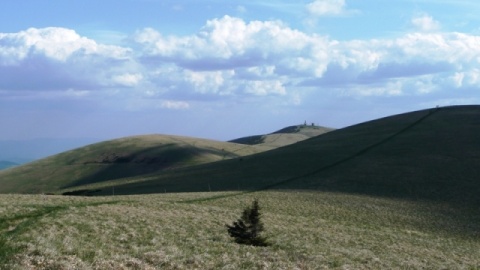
(109,160)
(137,156)
(285,136)
(430,154)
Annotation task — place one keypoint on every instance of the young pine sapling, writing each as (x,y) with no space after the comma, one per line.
(247,230)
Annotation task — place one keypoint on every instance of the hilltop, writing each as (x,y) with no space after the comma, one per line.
(285,136)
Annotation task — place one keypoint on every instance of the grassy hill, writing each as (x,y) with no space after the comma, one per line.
(285,136)
(430,154)
(120,158)
(136,156)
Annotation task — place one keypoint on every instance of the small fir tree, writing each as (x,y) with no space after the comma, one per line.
(247,230)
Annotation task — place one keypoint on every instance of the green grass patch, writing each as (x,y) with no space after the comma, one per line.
(307,230)
(20,217)
(12,226)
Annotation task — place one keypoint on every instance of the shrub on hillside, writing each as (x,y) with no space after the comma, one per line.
(247,230)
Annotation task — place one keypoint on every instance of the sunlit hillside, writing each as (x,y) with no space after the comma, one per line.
(120,158)
(284,136)
(136,157)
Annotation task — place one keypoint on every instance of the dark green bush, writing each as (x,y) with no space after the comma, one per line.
(247,230)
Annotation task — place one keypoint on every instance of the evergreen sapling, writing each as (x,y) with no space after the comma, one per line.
(247,230)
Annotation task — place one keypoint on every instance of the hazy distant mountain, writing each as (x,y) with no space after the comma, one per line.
(7,164)
(23,151)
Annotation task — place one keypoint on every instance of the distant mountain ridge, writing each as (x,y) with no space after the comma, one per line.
(23,151)
(4,164)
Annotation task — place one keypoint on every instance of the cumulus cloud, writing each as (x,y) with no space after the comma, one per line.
(231,57)
(229,43)
(53,42)
(57,58)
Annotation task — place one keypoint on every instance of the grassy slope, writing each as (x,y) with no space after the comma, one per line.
(119,158)
(136,156)
(429,154)
(285,136)
(307,230)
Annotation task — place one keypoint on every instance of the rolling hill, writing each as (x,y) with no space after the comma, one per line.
(430,154)
(120,158)
(136,156)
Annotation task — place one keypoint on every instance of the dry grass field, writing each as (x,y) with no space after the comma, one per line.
(307,230)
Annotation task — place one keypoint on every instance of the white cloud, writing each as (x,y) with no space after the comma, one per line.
(230,58)
(209,81)
(326,7)
(229,42)
(58,59)
(53,42)
(425,23)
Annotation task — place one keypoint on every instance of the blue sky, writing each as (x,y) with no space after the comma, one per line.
(225,69)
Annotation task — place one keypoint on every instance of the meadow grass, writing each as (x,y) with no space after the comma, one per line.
(307,230)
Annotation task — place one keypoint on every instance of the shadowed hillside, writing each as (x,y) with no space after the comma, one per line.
(135,157)
(430,154)
(110,160)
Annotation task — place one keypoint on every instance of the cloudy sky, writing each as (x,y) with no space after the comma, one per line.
(224,69)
